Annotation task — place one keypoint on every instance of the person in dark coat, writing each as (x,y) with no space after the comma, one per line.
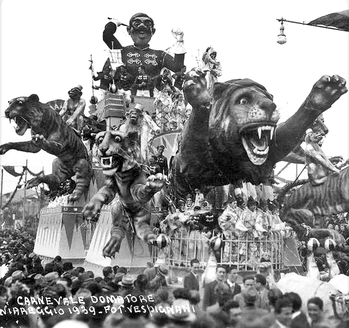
(210,297)
(299,318)
(232,273)
(191,281)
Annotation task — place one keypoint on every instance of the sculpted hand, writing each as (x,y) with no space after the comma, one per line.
(195,88)
(38,139)
(4,149)
(326,91)
(92,209)
(112,247)
(178,34)
(155,182)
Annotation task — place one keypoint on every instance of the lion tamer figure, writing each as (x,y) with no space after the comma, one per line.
(51,134)
(126,180)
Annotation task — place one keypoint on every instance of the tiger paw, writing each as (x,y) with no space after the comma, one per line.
(326,91)
(112,247)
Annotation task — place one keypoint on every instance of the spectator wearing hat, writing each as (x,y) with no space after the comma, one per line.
(67,268)
(159,281)
(108,278)
(115,269)
(150,271)
(181,313)
(219,313)
(247,282)
(161,160)
(141,284)
(120,272)
(250,310)
(191,280)
(51,276)
(126,284)
(108,274)
(17,275)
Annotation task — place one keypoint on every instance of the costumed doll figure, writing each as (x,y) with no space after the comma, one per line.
(278,228)
(181,113)
(189,205)
(194,242)
(170,226)
(319,166)
(143,84)
(73,109)
(164,80)
(179,244)
(263,225)
(212,66)
(199,197)
(247,221)
(248,218)
(227,222)
(140,127)
(106,78)
(163,104)
(263,219)
(141,29)
(124,81)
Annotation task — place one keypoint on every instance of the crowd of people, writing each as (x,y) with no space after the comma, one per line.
(242,232)
(42,294)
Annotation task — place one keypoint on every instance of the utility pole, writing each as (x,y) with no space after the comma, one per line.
(25,191)
(2,186)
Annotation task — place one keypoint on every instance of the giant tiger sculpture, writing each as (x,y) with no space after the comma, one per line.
(128,185)
(51,134)
(307,202)
(234,135)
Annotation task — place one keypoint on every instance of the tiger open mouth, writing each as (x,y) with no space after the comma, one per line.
(21,125)
(255,139)
(111,164)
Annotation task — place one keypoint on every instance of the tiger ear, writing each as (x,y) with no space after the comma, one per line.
(33,97)
(219,88)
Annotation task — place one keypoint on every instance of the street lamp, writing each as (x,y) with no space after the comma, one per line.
(281,38)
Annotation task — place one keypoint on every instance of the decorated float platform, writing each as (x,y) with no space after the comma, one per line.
(63,231)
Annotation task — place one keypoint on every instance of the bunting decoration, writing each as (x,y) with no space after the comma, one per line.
(339,20)
(11,170)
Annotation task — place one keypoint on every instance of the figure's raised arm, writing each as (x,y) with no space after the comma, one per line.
(325,92)
(108,36)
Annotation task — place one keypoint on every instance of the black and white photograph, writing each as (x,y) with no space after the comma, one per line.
(174,164)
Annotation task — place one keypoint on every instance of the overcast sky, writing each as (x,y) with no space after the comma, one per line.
(46,47)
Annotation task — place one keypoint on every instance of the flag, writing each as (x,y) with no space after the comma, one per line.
(12,171)
(339,20)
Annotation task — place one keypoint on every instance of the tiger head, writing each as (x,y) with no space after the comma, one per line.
(27,112)
(243,119)
(117,151)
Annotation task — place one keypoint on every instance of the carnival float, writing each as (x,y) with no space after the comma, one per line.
(172,165)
